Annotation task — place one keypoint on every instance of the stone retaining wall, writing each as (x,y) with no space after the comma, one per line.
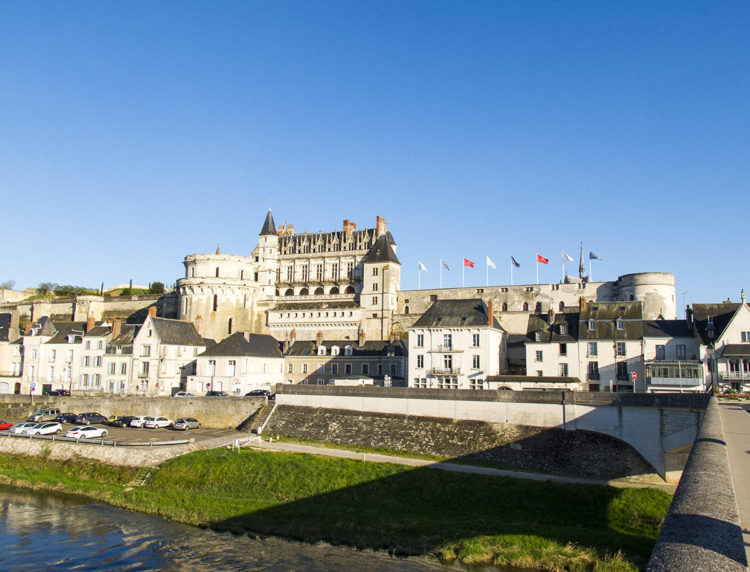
(577,453)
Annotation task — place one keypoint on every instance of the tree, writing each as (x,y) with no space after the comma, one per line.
(156,288)
(47,287)
(9,284)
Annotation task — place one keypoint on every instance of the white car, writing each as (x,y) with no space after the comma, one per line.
(87,432)
(49,428)
(19,428)
(183,394)
(157,422)
(139,421)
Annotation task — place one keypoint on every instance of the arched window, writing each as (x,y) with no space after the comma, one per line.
(334,290)
(349,290)
(289,292)
(561,306)
(319,291)
(304,292)
(216,302)
(538,308)
(217,271)
(504,307)
(525,306)
(406,309)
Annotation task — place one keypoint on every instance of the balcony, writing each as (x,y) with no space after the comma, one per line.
(445,349)
(445,371)
(735,376)
(623,377)
(591,376)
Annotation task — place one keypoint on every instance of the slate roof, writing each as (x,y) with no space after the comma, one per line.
(552,333)
(469,313)
(65,329)
(46,327)
(606,314)
(381,251)
(372,348)
(721,314)
(177,332)
(99,331)
(268,226)
(125,338)
(736,350)
(666,329)
(259,345)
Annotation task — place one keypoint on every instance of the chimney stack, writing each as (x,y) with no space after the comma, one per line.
(689,317)
(116,327)
(349,226)
(490,315)
(361,340)
(90,323)
(581,302)
(551,315)
(379,226)
(319,338)
(13,330)
(152,311)
(293,335)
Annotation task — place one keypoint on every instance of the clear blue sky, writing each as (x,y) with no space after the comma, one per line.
(134,133)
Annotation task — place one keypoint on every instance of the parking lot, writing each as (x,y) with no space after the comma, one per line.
(136,435)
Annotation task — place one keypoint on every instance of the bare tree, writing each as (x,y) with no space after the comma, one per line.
(9,284)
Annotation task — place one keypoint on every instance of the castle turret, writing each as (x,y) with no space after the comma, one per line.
(267,256)
(381,277)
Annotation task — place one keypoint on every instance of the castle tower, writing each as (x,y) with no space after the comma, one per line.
(267,257)
(381,278)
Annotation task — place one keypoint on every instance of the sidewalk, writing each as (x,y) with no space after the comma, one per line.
(735,417)
(446,466)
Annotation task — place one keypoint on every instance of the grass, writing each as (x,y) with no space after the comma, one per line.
(475,519)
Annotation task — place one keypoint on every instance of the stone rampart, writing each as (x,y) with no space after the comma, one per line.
(217,412)
(702,529)
(577,453)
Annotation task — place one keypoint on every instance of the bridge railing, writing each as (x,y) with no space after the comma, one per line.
(702,529)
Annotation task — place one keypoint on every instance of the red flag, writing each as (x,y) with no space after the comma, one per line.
(468,263)
(542,259)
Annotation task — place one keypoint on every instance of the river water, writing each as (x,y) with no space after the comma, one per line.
(41,531)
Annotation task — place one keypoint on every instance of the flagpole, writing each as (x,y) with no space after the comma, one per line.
(419,280)
(511,271)
(563,272)
(591,277)
(463,274)
(441,273)
(537,270)
(487,274)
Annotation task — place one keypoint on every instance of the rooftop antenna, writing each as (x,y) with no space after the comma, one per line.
(684,308)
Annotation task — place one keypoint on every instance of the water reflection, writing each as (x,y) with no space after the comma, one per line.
(47,532)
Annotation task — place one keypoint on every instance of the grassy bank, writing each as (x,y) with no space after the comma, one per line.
(475,518)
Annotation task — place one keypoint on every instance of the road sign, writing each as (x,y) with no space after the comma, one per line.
(33,386)
(634,376)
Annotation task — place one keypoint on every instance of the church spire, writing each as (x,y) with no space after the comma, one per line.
(268,226)
(582,266)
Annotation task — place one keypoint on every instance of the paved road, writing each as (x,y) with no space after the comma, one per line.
(735,418)
(444,466)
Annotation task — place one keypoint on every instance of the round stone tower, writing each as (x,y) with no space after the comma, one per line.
(655,289)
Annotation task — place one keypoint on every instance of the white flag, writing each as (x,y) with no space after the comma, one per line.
(490,263)
(443,264)
(567,257)
(422,267)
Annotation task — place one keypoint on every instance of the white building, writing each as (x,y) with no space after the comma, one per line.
(671,353)
(11,358)
(238,364)
(456,344)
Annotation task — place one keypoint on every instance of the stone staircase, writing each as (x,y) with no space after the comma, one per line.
(257,419)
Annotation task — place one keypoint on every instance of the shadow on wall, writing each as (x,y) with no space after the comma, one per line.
(576,453)
(416,511)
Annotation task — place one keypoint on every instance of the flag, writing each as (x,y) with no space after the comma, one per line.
(594,256)
(443,264)
(490,263)
(542,259)
(468,263)
(567,257)
(513,261)
(422,267)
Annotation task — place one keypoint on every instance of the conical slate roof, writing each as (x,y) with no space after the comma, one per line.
(268,227)
(381,251)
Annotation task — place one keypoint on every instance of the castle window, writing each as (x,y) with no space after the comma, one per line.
(561,306)
(335,271)
(229,326)
(334,290)
(321,351)
(406,309)
(216,302)
(349,290)
(242,274)
(525,306)
(335,351)
(504,307)
(375,271)
(374,300)
(374,286)
(538,308)
(347,350)
(433,297)
(620,324)
(305,273)
(592,325)
(192,272)
(289,292)
(304,292)
(217,271)
(538,336)
(563,329)
(319,272)
(319,292)
(255,276)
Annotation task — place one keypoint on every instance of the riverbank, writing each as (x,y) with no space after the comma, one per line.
(472,518)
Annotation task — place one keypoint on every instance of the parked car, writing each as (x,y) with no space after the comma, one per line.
(5,425)
(90,418)
(258,393)
(121,421)
(46,414)
(217,394)
(183,394)
(66,418)
(157,423)
(48,428)
(59,392)
(87,433)
(185,423)
(19,427)
(138,421)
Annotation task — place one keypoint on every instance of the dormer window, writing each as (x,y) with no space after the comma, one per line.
(620,324)
(335,351)
(592,325)
(563,329)
(538,336)
(321,350)
(348,350)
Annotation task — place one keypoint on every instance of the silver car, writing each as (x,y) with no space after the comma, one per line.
(185,423)
(19,428)
(52,428)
